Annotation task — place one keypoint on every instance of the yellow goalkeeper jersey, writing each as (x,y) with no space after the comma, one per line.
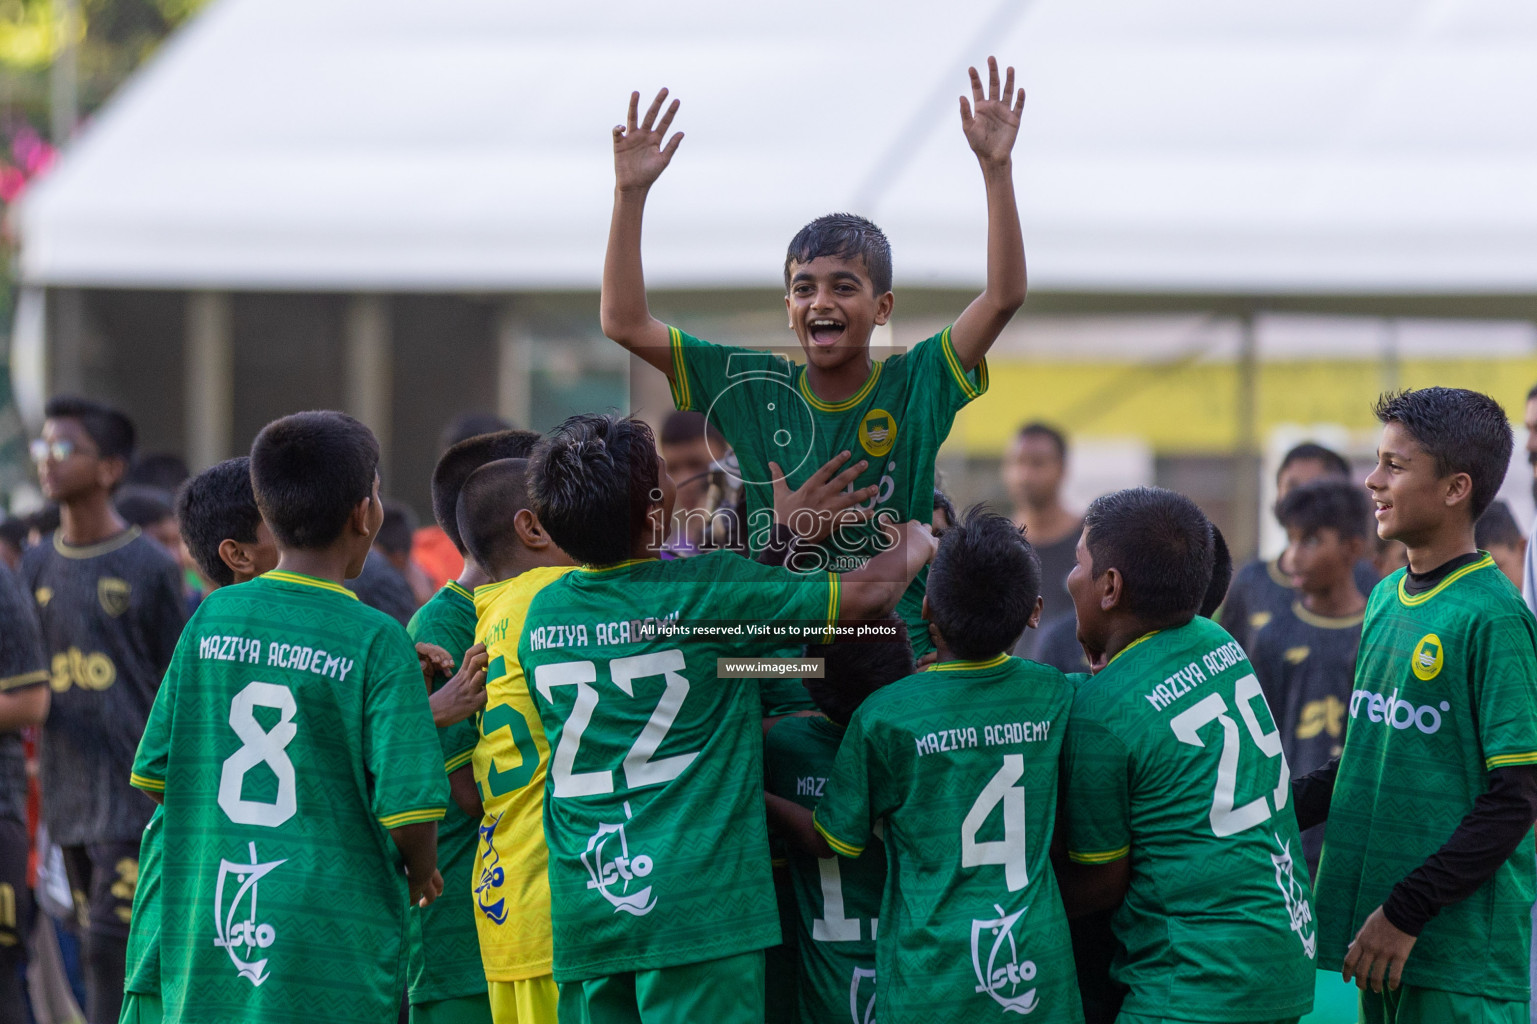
(511,887)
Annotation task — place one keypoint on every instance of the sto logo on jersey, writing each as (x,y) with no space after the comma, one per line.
(1297,906)
(241,939)
(862,1003)
(611,869)
(1428,657)
(488,896)
(1002,977)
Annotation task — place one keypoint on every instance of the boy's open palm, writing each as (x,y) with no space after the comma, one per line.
(639,155)
(993,127)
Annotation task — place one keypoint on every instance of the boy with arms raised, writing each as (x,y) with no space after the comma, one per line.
(1176,789)
(785,419)
(838,903)
(293,749)
(445,980)
(222,528)
(111,606)
(661,895)
(1305,656)
(1425,888)
(961,764)
(509,877)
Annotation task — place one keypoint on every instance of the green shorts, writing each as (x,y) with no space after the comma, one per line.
(462,1010)
(1414,1005)
(725,991)
(139,1008)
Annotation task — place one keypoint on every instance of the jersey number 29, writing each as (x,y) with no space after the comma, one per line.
(1227,820)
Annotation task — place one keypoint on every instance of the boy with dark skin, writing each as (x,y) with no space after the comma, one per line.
(111,605)
(838,290)
(1424,891)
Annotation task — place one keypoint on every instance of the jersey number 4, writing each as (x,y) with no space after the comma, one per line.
(639,768)
(260,746)
(1227,820)
(1002,789)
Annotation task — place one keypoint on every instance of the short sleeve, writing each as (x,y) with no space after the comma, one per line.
(400,742)
(748,591)
(703,372)
(22,663)
(1097,799)
(845,817)
(938,378)
(1504,677)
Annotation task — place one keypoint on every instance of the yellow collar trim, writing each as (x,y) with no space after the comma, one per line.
(617,565)
(847,403)
(454,586)
(284,576)
(1410,600)
(963,666)
(105,547)
(1327,621)
(1140,639)
(1273,567)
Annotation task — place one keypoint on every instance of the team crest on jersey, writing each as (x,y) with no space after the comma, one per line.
(243,938)
(1000,971)
(113,594)
(862,996)
(488,886)
(1297,906)
(613,870)
(878,432)
(1428,657)
(43,595)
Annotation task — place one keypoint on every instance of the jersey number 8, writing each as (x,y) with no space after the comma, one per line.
(1227,820)
(260,746)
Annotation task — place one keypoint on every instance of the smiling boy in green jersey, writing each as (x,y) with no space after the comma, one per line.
(661,897)
(960,765)
(292,747)
(445,981)
(220,524)
(1177,790)
(1425,888)
(838,904)
(784,419)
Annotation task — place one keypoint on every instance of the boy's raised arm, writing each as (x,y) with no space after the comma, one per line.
(991,131)
(639,159)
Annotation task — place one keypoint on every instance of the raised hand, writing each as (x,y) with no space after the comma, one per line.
(992,129)
(639,155)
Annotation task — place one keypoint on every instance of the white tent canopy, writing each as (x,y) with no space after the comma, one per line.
(1376,146)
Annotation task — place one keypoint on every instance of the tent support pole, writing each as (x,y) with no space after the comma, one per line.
(210,378)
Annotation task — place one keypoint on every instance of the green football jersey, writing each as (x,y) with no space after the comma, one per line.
(1445,692)
(960,763)
(292,731)
(1174,760)
(653,809)
(142,972)
(838,900)
(447,926)
(764,406)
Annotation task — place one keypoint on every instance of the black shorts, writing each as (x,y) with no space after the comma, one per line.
(102,878)
(15,897)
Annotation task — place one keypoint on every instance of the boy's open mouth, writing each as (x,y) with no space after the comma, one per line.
(825,332)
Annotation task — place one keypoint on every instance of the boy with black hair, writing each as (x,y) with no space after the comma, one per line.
(447,984)
(23,702)
(510,878)
(111,607)
(1305,656)
(1497,533)
(218,519)
(960,766)
(1425,889)
(1262,589)
(838,904)
(785,419)
(292,747)
(1176,786)
(661,896)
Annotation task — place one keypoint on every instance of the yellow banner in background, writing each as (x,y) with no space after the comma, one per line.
(1192,406)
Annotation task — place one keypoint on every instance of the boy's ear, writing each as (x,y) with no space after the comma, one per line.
(234,555)
(529,530)
(1035,614)
(923,612)
(883,307)
(1459,487)
(1111,586)
(358,520)
(110,472)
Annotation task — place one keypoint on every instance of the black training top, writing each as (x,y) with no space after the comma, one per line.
(21,666)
